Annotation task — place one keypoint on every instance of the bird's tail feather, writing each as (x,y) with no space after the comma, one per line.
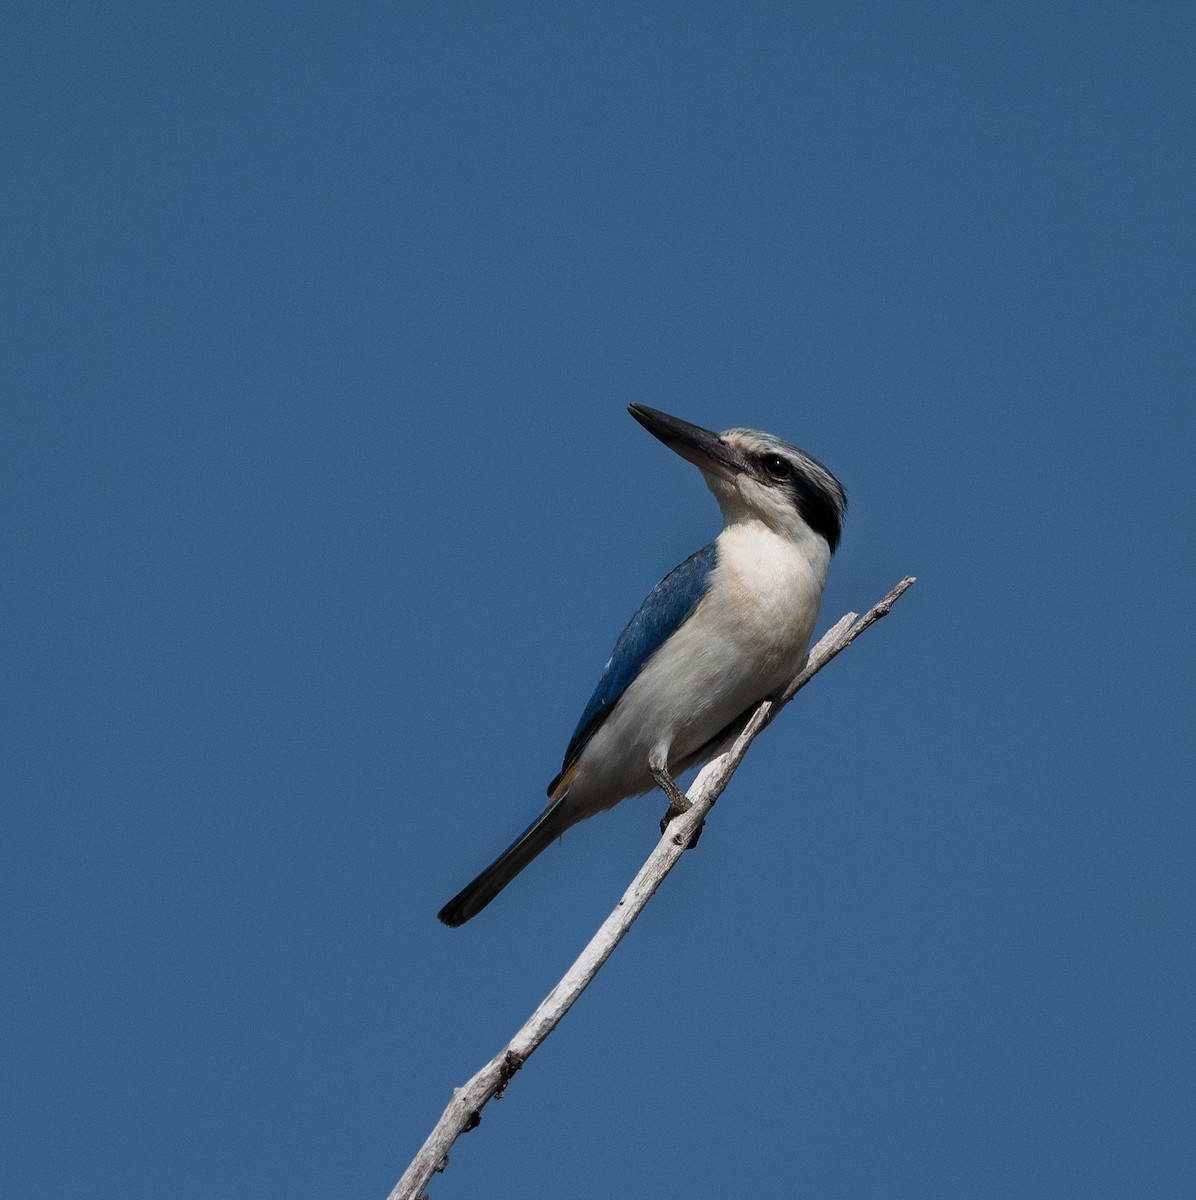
(476,895)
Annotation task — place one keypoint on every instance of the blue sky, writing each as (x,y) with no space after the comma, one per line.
(323,510)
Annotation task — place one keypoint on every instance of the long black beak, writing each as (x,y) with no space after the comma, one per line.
(704,449)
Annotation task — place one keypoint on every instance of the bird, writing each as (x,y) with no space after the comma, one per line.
(727,628)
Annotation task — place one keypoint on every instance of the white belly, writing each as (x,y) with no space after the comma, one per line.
(745,640)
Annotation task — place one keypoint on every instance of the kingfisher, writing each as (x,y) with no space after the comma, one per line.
(723,631)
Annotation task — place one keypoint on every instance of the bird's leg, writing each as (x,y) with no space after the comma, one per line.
(678,802)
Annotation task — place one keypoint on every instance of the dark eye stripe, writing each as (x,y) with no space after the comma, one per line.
(816,493)
(819,509)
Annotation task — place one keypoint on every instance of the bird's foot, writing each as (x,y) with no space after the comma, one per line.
(679,803)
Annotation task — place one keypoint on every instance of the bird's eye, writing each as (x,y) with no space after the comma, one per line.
(779,468)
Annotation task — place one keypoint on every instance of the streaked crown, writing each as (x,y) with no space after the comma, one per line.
(785,470)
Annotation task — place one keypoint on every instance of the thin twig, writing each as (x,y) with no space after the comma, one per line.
(464,1110)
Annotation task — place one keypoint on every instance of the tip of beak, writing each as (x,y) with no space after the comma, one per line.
(705,449)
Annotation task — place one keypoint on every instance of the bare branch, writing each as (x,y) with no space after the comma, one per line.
(464,1110)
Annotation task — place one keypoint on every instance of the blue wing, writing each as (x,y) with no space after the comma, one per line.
(667,607)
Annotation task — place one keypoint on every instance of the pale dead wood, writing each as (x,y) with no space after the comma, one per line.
(464,1110)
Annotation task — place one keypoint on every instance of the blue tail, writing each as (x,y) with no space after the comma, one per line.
(475,896)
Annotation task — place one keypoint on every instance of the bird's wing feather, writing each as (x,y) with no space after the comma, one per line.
(669,604)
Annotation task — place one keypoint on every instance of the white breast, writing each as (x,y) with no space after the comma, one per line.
(744,641)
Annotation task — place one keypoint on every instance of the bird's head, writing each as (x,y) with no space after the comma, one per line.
(755,475)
